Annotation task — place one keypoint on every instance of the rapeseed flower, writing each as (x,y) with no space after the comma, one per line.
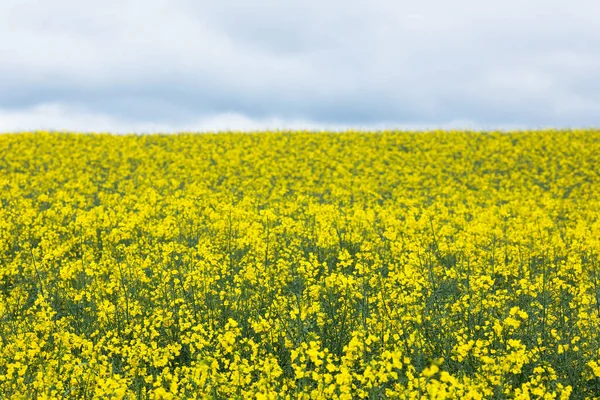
(443,264)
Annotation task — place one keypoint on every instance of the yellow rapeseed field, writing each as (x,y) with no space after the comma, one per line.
(300,265)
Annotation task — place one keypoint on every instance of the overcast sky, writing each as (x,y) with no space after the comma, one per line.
(170,65)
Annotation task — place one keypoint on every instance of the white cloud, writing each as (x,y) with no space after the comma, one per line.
(60,117)
(172,63)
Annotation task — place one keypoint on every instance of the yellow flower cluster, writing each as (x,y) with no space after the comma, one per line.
(284,265)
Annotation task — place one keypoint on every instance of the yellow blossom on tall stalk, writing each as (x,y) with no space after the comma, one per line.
(284,265)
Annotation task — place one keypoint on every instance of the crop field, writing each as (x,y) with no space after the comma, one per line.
(300,265)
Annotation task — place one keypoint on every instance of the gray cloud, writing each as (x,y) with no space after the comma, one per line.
(354,63)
